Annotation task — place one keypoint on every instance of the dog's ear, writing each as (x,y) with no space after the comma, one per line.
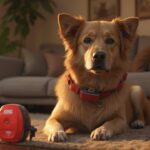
(127,31)
(69,29)
(128,26)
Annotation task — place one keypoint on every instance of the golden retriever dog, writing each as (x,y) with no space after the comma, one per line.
(142,61)
(92,93)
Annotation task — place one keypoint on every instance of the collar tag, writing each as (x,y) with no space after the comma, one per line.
(91,90)
(89,94)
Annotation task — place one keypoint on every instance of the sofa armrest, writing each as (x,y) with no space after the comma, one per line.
(142,79)
(10,67)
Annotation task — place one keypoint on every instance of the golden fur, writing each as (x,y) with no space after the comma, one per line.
(110,115)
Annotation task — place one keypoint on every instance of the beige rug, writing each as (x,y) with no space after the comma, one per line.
(130,140)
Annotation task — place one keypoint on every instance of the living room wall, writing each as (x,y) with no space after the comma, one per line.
(128,9)
(44,33)
(47,32)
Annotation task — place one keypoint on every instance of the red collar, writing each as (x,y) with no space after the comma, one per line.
(88,94)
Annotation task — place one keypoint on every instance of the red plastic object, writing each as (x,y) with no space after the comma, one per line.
(15,124)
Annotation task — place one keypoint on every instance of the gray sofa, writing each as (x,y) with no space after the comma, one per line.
(30,79)
(140,78)
(16,87)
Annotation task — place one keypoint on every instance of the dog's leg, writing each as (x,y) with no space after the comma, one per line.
(110,128)
(54,126)
(137,99)
(55,131)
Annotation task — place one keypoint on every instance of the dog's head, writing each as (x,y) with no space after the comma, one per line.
(97,46)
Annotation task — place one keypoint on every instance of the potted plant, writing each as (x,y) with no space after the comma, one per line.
(23,15)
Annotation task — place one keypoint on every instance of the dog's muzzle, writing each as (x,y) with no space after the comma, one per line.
(99,60)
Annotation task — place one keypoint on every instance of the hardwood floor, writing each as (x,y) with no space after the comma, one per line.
(16,147)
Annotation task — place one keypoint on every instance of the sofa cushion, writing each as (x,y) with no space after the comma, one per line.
(25,86)
(51,87)
(142,79)
(142,61)
(55,64)
(143,42)
(35,63)
(10,67)
(52,48)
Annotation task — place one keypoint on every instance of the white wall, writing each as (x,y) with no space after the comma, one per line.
(74,7)
(128,9)
(47,32)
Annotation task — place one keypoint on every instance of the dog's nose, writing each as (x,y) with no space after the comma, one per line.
(99,56)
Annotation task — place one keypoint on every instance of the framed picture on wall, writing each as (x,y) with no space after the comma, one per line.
(103,9)
(143,9)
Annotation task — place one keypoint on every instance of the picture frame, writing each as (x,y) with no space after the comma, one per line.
(103,9)
(143,9)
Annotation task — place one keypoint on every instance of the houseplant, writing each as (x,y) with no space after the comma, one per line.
(22,14)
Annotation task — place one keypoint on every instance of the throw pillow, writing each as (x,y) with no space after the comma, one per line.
(35,64)
(55,63)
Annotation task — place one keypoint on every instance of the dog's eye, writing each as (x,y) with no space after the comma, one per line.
(87,40)
(109,41)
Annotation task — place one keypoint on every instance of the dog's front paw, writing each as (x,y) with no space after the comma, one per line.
(101,133)
(57,136)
